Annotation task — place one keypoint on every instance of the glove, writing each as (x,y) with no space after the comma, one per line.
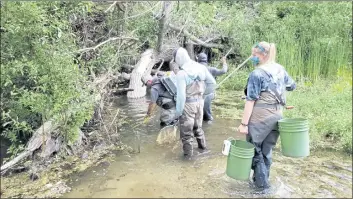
(146,119)
(174,120)
(159,102)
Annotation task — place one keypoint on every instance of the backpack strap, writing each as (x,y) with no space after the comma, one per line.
(272,87)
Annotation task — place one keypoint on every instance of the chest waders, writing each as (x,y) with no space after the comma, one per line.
(263,133)
(191,119)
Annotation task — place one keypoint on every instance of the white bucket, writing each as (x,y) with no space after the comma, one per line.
(226,146)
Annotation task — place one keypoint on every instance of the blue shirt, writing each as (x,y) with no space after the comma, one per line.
(259,82)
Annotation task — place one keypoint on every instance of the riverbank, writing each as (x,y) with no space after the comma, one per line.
(52,180)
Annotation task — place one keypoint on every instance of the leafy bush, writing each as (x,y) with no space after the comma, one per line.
(39,80)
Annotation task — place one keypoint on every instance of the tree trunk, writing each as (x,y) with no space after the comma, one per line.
(143,67)
(34,143)
(190,49)
(162,23)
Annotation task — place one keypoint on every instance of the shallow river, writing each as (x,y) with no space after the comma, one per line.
(159,171)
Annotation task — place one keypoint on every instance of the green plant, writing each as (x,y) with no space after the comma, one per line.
(39,79)
(327,106)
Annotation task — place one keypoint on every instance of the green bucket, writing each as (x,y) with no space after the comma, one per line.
(294,133)
(240,159)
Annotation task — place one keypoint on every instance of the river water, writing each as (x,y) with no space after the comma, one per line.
(159,171)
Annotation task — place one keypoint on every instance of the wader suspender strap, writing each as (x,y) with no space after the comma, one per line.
(273,88)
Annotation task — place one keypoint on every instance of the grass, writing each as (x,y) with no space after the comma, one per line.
(326,103)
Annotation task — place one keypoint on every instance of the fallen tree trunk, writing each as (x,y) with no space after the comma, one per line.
(143,67)
(14,161)
(34,143)
(42,137)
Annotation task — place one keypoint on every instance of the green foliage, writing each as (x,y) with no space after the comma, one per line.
(328,107)
(237,81)
(313,39)
(39,78)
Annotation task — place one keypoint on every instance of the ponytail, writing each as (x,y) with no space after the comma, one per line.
(272,53)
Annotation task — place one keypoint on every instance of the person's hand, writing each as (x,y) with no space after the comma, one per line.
(243,129)
(173,122)
(146,118)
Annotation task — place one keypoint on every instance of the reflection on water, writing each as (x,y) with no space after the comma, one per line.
(159,171)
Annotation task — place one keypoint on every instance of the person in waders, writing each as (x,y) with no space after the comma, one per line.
(161,97)
(202,59)
(193,79)
(264,104)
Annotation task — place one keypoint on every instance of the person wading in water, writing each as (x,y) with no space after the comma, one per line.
(202,59)
(265,100)
(193,79)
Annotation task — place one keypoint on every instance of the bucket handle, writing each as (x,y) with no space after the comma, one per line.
(230,138)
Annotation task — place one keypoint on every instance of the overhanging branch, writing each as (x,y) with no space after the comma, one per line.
(111,6)
(195,39)
(104,42)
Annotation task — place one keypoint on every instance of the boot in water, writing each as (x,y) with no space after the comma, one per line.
(201,145)
(261,176)
(188,151)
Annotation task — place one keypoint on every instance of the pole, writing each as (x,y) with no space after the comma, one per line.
(233,72)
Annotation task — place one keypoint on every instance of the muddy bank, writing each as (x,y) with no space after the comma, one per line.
(48,178)
(52,180)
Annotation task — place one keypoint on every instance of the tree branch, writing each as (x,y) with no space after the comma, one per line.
(195,39)
(142,13)
(121,7)
(104,42)
(110,7)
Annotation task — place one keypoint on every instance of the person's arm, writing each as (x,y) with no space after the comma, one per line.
(253,94)
(225,66)
(249,106)
(181,93)
(217,72)
(152,105)
(289,82)
(210,82)
(209,79)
